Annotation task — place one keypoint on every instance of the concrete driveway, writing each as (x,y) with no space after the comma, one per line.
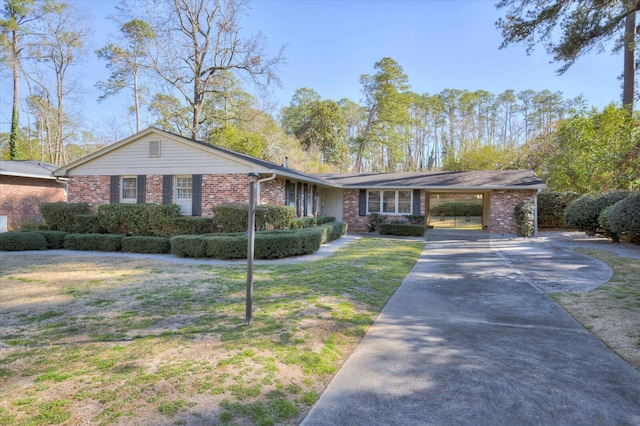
(472,338)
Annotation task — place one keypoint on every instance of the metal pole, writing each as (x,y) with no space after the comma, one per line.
(250,244)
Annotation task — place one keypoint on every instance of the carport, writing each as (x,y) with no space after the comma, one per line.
(399,195)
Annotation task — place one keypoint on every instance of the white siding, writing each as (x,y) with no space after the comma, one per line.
(176,158)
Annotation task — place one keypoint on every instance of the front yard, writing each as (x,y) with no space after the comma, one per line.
(100,340)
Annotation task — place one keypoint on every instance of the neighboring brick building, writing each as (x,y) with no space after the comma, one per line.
(24,185)
(155,166)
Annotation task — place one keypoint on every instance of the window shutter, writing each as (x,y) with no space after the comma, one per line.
(299,197)
(114,190)
(142,189)
(286,193)
(196,201)
(362,204)
(166,189)
(306,200)
(416,202)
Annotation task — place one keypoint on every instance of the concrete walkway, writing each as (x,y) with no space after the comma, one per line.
(472,338)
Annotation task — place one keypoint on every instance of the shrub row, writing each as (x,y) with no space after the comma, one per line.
(235,217)
(267,245)
(585,211)
(402,229)
(308,222)
(137,219)
(456,209)
(62,216)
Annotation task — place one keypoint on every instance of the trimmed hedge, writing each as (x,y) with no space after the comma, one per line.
(415,219)
(524,213)
(62,216)
(268,245)
(624,217)
(190,226)
(137,219)
(456,209)
(86,224)
(308,222)
(146,244)
(551,207)
(235,217)
(585,211)
(97,242)
(18,241)
(55,239)
(402,229)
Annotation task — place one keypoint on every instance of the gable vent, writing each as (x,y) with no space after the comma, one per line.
(154,148)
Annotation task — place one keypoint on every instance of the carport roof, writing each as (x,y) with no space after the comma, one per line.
(475,180)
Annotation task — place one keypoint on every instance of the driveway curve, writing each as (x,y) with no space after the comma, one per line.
(472,338)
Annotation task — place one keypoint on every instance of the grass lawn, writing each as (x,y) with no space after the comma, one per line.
(611,311)
(97,340)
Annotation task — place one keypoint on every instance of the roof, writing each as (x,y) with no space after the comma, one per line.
(474,180)
(269,166)
(27,168)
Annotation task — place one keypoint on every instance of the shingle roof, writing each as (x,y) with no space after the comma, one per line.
(491,179)
(27,168)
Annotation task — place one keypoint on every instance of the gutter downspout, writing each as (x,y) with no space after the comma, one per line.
(258,186)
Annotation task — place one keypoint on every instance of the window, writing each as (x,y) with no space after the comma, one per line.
(183,193)
(389,202)
(290,189)
(129,189)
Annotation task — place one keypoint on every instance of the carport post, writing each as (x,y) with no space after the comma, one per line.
(251,232)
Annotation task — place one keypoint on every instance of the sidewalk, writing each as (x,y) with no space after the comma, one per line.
(471,338)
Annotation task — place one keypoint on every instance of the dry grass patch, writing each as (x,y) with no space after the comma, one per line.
(126,341)
(611,311)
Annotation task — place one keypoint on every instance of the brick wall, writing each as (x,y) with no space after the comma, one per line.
(503,203)
(20,198)
(93,190)
(350,213)
(216,190)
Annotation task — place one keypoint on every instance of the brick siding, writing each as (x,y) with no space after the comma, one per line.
(20,198)
(503,204)
(216,190)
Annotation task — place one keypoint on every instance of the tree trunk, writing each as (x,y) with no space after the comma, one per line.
(15,119)
(629,82)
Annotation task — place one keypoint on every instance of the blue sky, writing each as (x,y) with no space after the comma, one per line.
(329,43)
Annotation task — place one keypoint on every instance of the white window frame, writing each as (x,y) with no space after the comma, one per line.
(124,199)
(184,203)
(396,199)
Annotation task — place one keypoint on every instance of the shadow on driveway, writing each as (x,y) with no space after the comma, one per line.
(471,338)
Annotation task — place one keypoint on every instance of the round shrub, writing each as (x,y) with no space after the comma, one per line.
(61,216)
(624,217)
(585,211)
(55,239)
(525,215)
(18,241)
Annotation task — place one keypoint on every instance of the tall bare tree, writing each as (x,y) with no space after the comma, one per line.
(18,17)
(197,42)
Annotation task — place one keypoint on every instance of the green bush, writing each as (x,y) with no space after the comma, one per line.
(308,222)
(456,209)
(524,214)
(189,246)
(603,222)
(415,219)
(137,219)
(146,244)
(402,229)
(624,218)
(62,216)
(585,211)
(55,239)
(332,231)
(235,217)
(190,226)
(97,242)
(86,224)
(551,207)
(19,240)
(376,220)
